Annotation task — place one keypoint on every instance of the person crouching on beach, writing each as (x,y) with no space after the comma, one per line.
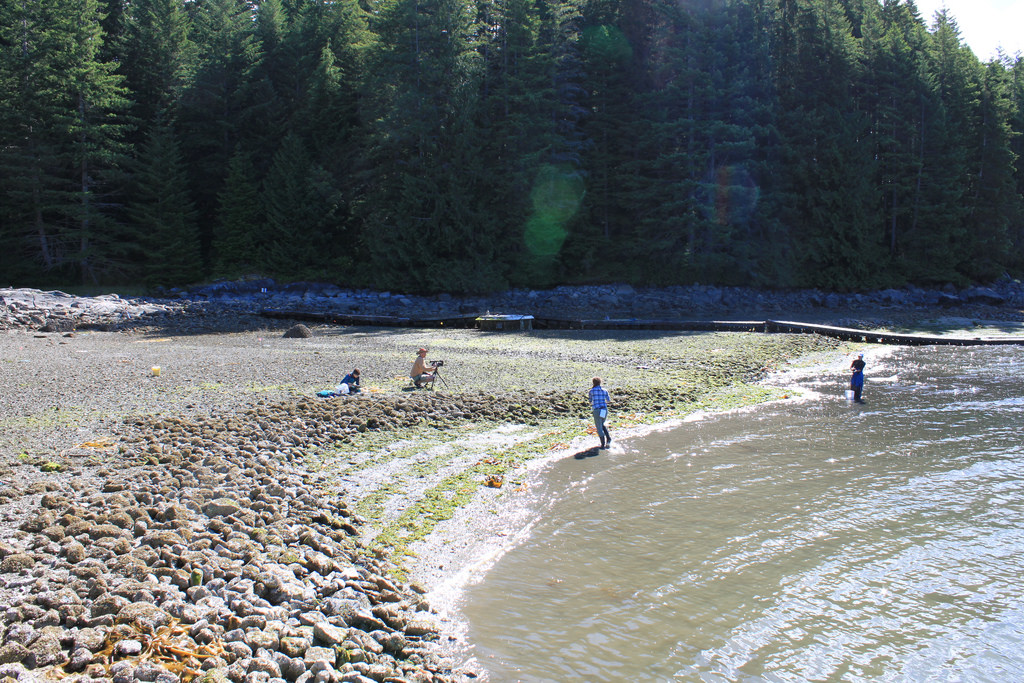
(599,404)
(420,374)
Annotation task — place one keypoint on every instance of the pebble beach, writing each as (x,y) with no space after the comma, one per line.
(177,503)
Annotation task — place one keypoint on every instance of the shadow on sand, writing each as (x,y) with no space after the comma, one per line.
(587,453)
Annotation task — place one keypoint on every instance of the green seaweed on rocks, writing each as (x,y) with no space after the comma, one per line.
(371,506)
(46,419)
(440,502)
(359,457)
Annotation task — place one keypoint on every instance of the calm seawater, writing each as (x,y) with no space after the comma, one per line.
(812,540)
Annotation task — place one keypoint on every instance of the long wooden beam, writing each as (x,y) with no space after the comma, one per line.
(768,326)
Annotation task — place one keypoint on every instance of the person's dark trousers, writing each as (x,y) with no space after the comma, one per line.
(602,431)
(857,384)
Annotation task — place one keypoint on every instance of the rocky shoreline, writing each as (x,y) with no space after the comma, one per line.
(188,537)
(181,548)
(225,567)
(603,301)
(236,305)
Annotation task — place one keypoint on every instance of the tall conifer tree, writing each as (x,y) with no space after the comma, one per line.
(1016,88)
(162,213)
(994,201)
(159,59)
(65,134)
(214,107)
(939,245)
(422,217)
(32,112)
(828,205)
(240,221)
(897,95)
(608,61)
(302,207)
(517,120)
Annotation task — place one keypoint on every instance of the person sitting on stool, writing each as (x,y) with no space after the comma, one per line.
(857,378)
(420,373)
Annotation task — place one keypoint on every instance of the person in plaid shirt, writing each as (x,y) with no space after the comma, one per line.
(599,404)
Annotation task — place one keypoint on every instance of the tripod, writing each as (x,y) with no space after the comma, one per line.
(437,376)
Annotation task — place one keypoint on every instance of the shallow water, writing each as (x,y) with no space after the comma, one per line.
(816,540)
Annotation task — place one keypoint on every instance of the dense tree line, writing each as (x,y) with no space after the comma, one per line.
(472,145)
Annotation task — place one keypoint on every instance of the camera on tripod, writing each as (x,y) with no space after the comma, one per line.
(436,363)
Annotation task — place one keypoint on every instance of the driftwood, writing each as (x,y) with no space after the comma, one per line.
(767,326)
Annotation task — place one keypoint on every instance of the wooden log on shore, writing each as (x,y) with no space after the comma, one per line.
(872,337)
(458,321)
(766,326)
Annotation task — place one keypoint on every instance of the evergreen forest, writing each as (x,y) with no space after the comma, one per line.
(475,145)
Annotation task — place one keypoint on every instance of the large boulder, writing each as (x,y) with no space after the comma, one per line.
(893,296)
(299,331)
(58,324)
(144,616)
(983,295)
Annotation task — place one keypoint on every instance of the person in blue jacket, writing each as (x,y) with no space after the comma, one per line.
(857,378)
(352,380)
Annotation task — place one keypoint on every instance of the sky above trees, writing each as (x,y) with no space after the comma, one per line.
(985,25)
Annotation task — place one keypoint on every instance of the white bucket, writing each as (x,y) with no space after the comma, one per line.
(849,394)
